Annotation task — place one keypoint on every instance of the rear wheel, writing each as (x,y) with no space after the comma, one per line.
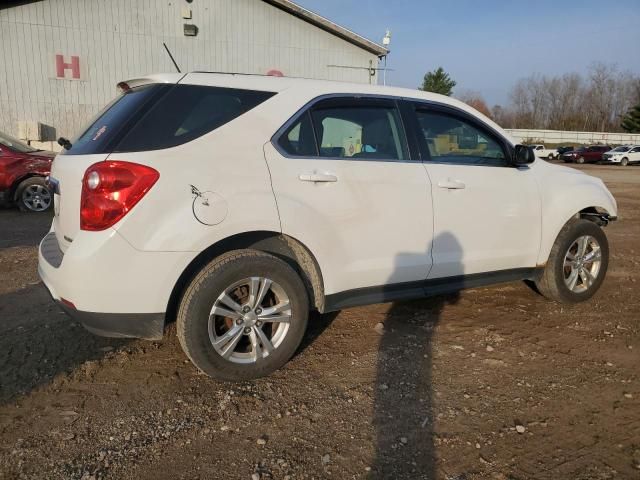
(577,264)
(243,316)
(33,195)
(550,157)
(624,162)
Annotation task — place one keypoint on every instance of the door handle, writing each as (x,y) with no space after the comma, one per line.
(451,184)
(318,177)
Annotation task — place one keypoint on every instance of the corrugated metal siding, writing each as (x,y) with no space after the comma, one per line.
(121,39)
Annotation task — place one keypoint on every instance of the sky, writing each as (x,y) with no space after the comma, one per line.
(487,45)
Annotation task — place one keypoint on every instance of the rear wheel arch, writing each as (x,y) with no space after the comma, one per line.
(287,248)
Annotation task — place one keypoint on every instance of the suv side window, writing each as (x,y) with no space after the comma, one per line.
(452,139)
(359,129)
(187,112)
(298,140)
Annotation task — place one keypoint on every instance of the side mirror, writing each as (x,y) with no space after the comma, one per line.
(523,155)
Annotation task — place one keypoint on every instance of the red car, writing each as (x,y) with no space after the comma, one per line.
(592,154)
(23,170)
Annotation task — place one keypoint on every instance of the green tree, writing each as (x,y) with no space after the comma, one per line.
(438,81)
(631,121)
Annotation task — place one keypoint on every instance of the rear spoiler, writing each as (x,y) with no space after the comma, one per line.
(155,78)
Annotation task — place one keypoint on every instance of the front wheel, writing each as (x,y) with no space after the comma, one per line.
(624,162)
(243,316)
(580,160)
(550,157)
(577,264)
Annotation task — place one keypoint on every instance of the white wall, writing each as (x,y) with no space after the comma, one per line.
(558,136)
(120,39)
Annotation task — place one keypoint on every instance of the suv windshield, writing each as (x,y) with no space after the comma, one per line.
(623,148)
(15,144)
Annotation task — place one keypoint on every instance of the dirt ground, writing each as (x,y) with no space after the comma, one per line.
(492,383)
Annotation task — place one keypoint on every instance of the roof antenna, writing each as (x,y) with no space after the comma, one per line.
(171,57)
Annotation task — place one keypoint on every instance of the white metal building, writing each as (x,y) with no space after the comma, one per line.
(60,60)
(579,138)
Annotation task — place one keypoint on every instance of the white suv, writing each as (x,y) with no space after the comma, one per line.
(623,155)
(234,204)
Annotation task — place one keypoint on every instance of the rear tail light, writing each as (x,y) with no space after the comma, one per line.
(110,190)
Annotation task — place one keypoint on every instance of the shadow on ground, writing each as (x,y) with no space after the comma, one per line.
(404,399)
(38,341)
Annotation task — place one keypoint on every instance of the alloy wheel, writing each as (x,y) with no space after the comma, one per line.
(249,320)
(582,264)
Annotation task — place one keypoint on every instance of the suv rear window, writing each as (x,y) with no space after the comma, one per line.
(157,116)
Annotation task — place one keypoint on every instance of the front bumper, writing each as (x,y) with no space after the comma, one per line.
(111,288)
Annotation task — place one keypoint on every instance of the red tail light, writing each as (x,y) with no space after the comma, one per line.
(110,190)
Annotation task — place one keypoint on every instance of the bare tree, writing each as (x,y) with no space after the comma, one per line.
(571,102)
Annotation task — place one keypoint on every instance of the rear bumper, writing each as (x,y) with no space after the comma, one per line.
(149,326)
(108,286)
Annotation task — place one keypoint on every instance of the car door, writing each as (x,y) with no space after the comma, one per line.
(634,155)
(347,187)
(487,213)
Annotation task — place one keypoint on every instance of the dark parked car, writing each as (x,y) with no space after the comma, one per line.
(563,150)
(23,170)
(592,154)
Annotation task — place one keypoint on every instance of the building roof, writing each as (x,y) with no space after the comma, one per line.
(328,26)
(295,10)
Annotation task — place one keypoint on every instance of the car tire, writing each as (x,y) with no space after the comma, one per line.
(624,162)
(580,160)
(206,316)
(550,157)
(33,195)
(557,278)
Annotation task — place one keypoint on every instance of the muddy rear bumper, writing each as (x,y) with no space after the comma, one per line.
(149,326)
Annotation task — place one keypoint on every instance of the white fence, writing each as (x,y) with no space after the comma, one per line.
(559,136)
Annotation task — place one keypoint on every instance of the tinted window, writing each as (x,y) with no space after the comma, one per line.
(359,132)
(104,129)
(187,112)
(162,116)
(298,140)
(453,140)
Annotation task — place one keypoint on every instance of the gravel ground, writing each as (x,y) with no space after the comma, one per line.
(491,383)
